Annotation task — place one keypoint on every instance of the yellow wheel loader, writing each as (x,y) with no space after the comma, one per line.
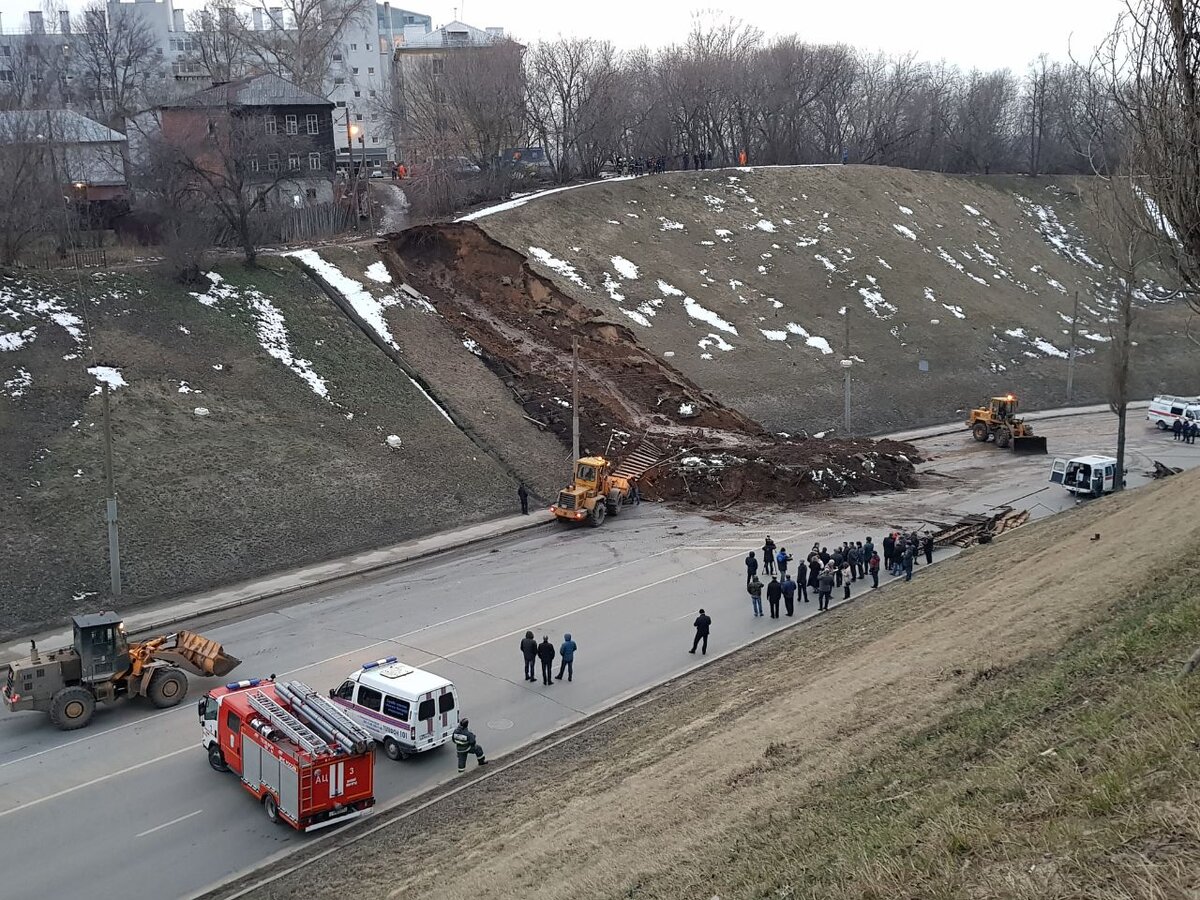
(594,493)
(102,665)
(998,421)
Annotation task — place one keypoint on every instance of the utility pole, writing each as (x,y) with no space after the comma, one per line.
(110,503)
(1071,352)
(351,176)
(574,398)
(847,362)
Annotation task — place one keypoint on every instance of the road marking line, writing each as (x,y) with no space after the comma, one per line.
(147,762)
(168,824)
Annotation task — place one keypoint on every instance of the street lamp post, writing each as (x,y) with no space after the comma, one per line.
(846,364)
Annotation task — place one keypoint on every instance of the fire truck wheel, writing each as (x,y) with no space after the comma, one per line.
(271,807)
(216,759)
(167,688)
(393,750)
(72,708)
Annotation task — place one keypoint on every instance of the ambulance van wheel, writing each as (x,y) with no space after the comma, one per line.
(216,759)
(393,750)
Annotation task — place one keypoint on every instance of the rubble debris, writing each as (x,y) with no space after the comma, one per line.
(1161,471)
(976,529)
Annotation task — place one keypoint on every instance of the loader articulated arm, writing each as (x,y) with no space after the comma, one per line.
(189,651)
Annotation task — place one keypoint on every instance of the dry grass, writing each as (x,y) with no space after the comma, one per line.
(1009,725)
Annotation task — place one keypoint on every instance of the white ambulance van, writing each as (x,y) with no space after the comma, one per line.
(1088,476)
(1165,410)
(407,710)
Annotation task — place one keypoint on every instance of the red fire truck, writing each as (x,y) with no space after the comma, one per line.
(308,763)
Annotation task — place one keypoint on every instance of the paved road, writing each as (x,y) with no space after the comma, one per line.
(130,806)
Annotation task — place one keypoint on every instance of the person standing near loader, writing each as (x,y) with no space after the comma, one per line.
(465,744)
(702,624)
(523,496)
(545,653)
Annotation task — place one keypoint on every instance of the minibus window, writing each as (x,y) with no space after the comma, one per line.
(425,710)
(396,708)
(368,698)
(346,691)
(445,703)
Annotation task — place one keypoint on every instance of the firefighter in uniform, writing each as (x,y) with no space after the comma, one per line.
(464,743)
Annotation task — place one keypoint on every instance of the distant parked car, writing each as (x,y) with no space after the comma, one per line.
(376,173)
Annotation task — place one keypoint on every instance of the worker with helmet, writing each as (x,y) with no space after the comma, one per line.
(464,743)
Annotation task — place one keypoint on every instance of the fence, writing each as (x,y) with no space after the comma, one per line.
(72,259)
(318,221)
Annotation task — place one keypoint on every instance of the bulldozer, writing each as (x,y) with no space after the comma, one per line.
(594,493)
(998,421)
(102,664)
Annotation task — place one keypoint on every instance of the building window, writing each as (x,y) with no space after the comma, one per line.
(254,164)
(6,75)
(358,117)
(337,57)
(272,128)
(370,70)
(339,81)
(272,162)
(354,47)
(290,121)
(314,161)
(374,139)
(341,104)
(311,193)
(311,121)
(354,71)
(371,94)
(6,50)
(439,66)
(293,162)
(358,93)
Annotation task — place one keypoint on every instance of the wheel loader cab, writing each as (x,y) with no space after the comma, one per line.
(102,646)
(586,475)
(1001,408)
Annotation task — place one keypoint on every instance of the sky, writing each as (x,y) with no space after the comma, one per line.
(1009,34)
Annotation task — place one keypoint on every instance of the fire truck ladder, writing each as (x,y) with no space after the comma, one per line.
(305,738)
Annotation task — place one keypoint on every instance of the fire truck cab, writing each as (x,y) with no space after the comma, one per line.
(307,762)
(407,710)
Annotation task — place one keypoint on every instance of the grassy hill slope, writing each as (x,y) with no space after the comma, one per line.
(251,434)
(742,275)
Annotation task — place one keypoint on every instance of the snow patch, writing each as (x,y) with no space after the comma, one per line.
(969,208)
(669,225)
(765,225)
(700,313)
(377,271)
(521,201)
(625,268)
(906,231)
(774,335)
(669,289)
(472,346)
(714,340)
(107,375)
(20,382)
(810,340)
(15,340)
(874,301)
(687,409)
(561,266)
(905,210)
(883,262)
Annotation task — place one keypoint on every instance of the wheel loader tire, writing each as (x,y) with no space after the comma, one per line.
(72,708)
(599,511)
(167,688)
(393,750)
(1003,438)
(980,432)
(614,503)
(271,808)
(216,759)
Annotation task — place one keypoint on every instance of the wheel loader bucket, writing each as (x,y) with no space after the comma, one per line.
(199,655)
(1030,444)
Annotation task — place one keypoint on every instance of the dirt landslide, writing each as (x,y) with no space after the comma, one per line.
(695,790)
(522,326)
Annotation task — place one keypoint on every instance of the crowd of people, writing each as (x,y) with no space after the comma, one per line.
(1185,431)
(650,165)
(823,570)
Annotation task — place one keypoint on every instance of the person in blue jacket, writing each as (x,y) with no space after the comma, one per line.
(566,653)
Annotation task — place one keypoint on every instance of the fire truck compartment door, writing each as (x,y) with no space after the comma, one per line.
(289,790)
(251,762)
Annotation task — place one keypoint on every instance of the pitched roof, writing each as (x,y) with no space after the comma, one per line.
(254,90)
(454,34)
(62,125)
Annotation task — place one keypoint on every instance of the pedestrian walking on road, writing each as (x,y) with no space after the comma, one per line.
(788,587)
(1177,427)
(702,624)
(546,655)
(566,653)
(768,556)
(751,567)
(523,496)
(824,589)
(754,589)
(774,592)
(927,546)
(529,648)
(465,743)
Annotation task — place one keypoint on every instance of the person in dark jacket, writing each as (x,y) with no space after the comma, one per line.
(1177,427)
(837,561)
(523,496)
(906,561)
(783,558)
(774,592)
(751,567)
(768,556)
(868,551)
(873,565)
(754,589)
(854,553)
(814,573)
(529,648)
(702,624)
(824,589)
(566,653)
(1193,430)
(889,545)
(545,653)
(788,587)
(465,743)
(927,546)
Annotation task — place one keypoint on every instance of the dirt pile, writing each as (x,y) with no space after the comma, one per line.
(524,327)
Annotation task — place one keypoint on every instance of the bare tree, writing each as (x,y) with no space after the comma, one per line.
(218,33)
(31,201)
(117,60)
(304,36)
